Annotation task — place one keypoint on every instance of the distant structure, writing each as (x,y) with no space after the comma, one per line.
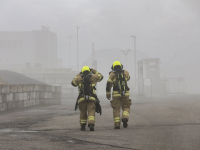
(26,49)
(150,82)
(176,85)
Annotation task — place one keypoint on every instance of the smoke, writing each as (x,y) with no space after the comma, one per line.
(163,29)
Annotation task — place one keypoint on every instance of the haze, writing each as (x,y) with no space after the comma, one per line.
(169,30)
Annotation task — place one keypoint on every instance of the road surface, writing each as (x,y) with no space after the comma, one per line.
(170,123)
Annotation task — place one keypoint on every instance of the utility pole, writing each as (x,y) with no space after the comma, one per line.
(135,63)
(77,51)
(69,48)
(93,55)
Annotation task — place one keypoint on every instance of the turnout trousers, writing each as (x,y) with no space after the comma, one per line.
(87,112)
(117,103)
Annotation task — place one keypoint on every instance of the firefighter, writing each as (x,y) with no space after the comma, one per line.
(118,80)
(86,80)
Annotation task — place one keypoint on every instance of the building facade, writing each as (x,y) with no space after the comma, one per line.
(21,49)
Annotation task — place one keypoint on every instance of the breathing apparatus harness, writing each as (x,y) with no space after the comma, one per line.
(86,90)
(121,86)
(86,86)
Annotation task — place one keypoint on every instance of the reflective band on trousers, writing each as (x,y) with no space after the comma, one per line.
(117,119)
(91,118)
(127,94)
(125,113)
(116,93)
(83,98)
(83,121)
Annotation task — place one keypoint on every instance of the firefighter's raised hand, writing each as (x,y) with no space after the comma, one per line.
(92,70)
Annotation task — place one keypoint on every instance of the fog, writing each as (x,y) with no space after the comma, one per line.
(168,30)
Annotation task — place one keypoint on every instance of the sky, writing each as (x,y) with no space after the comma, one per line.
(165,29)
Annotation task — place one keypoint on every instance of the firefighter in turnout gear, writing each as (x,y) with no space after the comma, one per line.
(118,80)
(86,81)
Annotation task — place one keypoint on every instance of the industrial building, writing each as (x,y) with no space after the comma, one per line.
(22,49)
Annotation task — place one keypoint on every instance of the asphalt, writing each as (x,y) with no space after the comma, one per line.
(170,123)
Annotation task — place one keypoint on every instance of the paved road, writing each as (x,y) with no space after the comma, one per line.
(170,123)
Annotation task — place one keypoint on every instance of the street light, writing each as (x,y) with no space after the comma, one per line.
(93,56)
(126,53)
(135,61)
(77,51)
(69,48)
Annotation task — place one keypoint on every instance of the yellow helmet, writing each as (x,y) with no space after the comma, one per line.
(116,63)
(85,68)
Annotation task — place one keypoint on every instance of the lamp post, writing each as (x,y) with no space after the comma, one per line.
(93,56)
(69,48)
(77,51)
(126,53)
(135,65)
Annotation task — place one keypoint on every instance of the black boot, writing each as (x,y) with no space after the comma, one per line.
(83,127)
(91,126)
(125,124)
(118,127)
